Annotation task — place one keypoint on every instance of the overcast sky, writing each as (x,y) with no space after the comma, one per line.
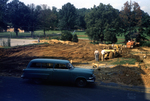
(118,4)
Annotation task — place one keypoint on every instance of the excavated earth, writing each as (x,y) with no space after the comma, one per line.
(14,60)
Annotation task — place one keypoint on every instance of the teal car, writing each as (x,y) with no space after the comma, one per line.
(56,70)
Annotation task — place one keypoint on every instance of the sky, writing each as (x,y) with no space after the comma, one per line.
(118,4)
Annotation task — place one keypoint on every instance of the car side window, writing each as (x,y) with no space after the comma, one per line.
(47,65)
(61,66)
(35,65)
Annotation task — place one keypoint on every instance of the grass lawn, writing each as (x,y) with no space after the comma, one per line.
(40,33)
(28,34)
(120,61)
(81,34)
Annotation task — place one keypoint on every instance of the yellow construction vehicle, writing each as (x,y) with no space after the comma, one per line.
(113,51)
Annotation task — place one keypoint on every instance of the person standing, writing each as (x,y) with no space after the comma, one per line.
(38,40)
(96,53)
(103,53)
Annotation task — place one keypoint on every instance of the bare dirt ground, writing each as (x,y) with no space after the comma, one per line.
(14,60)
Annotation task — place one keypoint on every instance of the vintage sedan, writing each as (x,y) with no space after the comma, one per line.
(56,70)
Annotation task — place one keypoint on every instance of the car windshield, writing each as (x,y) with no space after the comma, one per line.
(70,66)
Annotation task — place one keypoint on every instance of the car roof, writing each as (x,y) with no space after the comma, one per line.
(42,60)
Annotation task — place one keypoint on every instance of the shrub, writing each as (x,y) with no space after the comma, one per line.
(75,38)
(145,43)
(66,36)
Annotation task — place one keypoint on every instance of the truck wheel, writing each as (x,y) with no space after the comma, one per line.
(111,55)
(81,82)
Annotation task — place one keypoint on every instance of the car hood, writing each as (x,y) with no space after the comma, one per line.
(77,69)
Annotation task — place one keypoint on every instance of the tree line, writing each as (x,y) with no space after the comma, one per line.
(101,23)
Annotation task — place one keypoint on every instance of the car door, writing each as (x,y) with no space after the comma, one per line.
(61,73)
(47,69)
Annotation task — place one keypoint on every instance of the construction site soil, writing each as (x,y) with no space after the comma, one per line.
(14,60)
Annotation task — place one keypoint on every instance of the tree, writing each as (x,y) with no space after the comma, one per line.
(67,17)
(145,20)
(3,20)
(18,14)
(46,18)
(109,35)
(131,16)
(80,19)
(75,38)
(147,31)
(31,25)
(99,19)
(66,36)
(145,23)
(55,22)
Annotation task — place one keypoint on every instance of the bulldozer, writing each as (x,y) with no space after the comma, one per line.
(113,51)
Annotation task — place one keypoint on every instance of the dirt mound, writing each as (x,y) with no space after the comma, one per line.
(124,75)
(54,41)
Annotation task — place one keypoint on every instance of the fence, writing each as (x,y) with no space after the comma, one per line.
(5,42)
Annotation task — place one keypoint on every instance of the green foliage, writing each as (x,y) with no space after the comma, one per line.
(147,31)
(127,37)
(32,18)
(138,38)
(66,36)
(99,19)
(131,19)
(121,61)
(67,16)
(145,20)
(110,37)
(38,33)
(75,38)
(80,21)
(145,43)
(131,15)
(46,16)
(3,8)
(55,37)
(18,14)
(55,22)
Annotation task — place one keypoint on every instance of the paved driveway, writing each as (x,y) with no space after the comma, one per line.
(17,42)
(17,89)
